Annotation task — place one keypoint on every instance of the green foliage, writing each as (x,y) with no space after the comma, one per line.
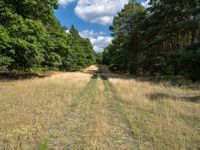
(122,54)
(186,61)
(44,145)
(99,58)
(31,38)
(154,41)
(81,52)
(4,44)
(54,59)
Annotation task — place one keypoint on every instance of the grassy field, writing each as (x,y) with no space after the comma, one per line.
(89,110)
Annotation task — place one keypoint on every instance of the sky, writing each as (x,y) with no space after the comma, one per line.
(91,18)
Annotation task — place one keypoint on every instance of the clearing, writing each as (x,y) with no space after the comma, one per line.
(97,110)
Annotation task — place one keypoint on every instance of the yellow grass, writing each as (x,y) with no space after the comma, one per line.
(162,117)
(83,110)
(28,107)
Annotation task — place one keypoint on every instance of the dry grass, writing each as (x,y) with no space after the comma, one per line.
(81,111)
(28,107)
(162,117)
(91,69)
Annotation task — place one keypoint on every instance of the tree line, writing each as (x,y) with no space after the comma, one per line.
(32,39)
(163,39)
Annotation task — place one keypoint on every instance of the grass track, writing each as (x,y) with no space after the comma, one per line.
(95,121)
(115,105)
(80,111)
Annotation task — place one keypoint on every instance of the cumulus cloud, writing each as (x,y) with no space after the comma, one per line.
(99,40)
(65,2)
(99,11)
(67,31)
(145,3)
(91,33)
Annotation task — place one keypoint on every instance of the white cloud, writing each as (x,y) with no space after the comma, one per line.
(145,3)
(65,2)
(91,33)
(67,31)
(99,40)
(99,11)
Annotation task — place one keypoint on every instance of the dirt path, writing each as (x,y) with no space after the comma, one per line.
(95,120)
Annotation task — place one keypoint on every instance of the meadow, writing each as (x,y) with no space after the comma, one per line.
(96,110)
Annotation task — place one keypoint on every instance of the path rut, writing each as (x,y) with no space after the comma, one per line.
(94,120)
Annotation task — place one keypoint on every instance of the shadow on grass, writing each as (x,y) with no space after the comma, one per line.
(103,77)
(171,80)
(176,81)
(94,76)
(89,71)
(9,76)
(163,96)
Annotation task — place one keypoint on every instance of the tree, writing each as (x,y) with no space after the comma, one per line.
(125,49)
(32,39)
(155,41)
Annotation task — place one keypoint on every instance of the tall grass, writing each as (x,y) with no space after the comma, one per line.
(28,107)
(161,116)
(98,112)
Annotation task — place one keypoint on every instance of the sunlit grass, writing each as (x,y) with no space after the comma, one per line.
(103,112)
(161,116)
(28,107)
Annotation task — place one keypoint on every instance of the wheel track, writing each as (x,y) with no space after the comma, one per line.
(95,120)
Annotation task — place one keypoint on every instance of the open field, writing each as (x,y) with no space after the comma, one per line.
(93,111)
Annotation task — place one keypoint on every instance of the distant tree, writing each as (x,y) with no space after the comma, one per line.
(99,58)
(32,39)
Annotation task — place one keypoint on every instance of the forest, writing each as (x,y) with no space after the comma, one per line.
(162,39)
(32,40)
(141,93)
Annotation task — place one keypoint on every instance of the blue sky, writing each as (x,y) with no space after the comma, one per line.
(92,18)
